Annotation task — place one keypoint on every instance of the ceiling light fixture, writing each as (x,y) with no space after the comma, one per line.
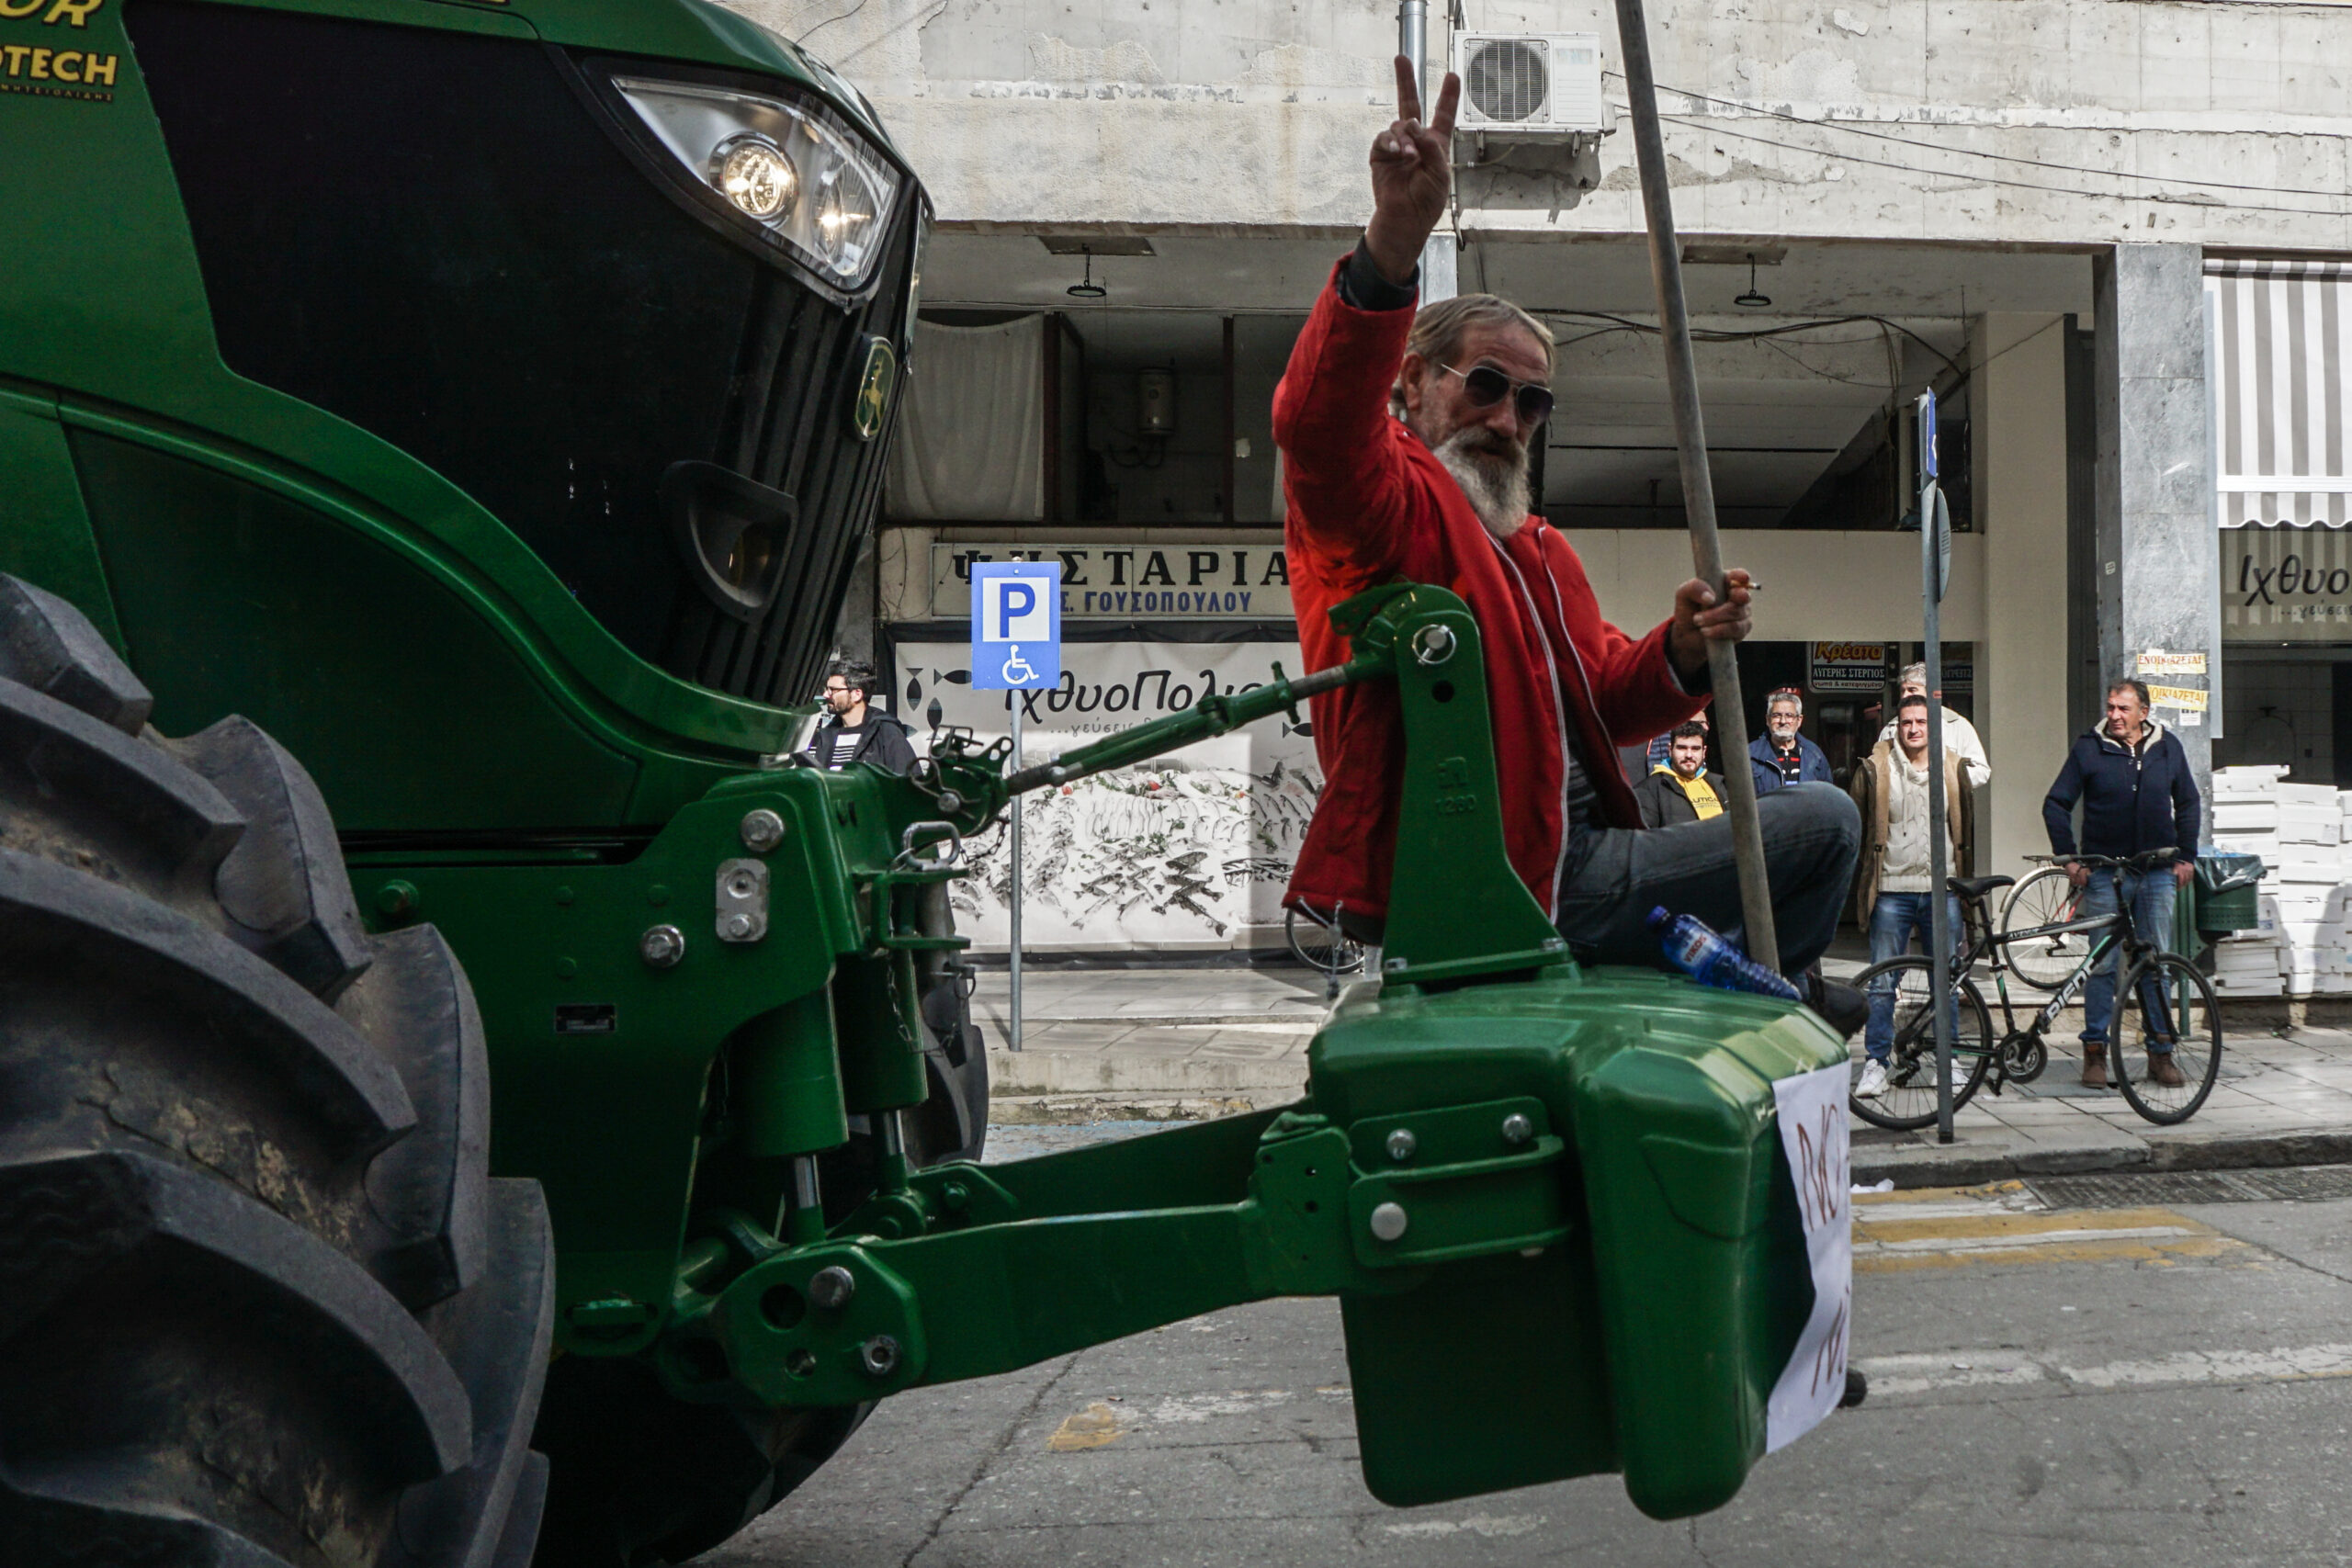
(1088,290)
(1752,299)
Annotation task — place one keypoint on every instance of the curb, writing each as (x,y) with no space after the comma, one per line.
(1012,1074)
(1957,1166)
(1303,1022)
(1074,1110)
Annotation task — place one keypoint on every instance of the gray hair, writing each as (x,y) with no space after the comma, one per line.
(1438,330)
(1914,672)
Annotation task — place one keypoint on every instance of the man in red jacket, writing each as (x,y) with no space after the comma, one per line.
(1404,439)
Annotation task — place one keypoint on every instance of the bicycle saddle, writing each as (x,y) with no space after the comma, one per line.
(1977,887)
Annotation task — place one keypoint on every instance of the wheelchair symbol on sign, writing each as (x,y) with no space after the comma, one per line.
(1017,669)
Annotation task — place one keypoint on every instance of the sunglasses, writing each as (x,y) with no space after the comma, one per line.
(1486,386)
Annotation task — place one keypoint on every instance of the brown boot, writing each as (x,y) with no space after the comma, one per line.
(2161,1070)
(2093,1066)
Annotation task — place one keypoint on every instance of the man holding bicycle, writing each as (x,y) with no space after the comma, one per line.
(2138,794)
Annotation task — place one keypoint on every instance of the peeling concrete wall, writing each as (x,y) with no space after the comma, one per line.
(1237,114)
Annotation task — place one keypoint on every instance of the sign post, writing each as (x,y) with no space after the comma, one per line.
(1935,572)
(1016,648)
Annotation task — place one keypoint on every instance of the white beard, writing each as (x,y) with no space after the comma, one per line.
(1496,487)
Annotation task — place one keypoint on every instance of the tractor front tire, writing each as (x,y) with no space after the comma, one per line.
(261,1304)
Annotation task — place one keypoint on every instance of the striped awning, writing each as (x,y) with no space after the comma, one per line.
(2283,402)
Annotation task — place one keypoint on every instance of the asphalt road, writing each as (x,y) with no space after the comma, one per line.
(2132,1381)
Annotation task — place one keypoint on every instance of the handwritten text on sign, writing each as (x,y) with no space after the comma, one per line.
(1813,1137)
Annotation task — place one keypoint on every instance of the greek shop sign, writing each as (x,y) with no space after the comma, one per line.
(2286,584)
(1145,581)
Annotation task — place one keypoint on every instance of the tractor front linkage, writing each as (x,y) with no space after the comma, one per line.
(1551,1200)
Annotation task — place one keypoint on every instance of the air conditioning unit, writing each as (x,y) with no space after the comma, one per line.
(1543,85)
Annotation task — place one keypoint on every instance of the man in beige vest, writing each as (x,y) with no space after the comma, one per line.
(1894,878)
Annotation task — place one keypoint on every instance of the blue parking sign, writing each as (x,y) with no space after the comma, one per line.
(1016,625)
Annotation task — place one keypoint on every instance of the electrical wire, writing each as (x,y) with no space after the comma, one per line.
(1854,129)
(1719,335)
(1715,127)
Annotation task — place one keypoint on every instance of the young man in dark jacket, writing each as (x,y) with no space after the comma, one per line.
(1682,790)
(2138,794)
(858,732)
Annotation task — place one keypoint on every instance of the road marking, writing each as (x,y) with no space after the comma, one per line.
(1091,1428)
(2220,1366)
(1491,1526)
(1896,1375)
(1103,1422)
(2003,1222)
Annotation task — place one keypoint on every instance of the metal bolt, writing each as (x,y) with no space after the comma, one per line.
(763,830)
(661,946)
(1401,1144)
(1388,1221)
(950,801)
(830,1287)
(1434,645)
(1517,1129)
(739,925)
(879,1356)
(396,900)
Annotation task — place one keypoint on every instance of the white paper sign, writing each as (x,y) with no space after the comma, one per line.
(1813,1137)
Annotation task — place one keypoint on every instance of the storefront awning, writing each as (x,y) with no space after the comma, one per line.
(2282,356)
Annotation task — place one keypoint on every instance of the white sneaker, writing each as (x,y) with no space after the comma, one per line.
(1873,1083)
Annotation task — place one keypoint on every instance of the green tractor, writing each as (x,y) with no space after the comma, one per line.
(434,439)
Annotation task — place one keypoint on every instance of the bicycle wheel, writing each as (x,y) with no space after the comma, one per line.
(1319,945)
(2169,1000)
(1908,1101)
(2042,899)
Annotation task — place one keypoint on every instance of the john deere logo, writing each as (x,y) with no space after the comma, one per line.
(874,388)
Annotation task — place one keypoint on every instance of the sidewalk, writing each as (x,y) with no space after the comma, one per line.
(1121,1044)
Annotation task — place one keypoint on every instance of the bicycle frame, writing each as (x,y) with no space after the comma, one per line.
(2114,931)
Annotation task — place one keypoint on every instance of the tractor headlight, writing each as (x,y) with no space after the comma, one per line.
(795,168)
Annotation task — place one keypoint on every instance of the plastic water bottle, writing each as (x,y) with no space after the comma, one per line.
(1699,951)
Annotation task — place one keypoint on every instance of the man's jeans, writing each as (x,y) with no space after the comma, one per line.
(2149,897)
(1893,917)
(1617,875)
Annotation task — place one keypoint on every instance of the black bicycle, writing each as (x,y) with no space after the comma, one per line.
(1321,945)
(2165,1013)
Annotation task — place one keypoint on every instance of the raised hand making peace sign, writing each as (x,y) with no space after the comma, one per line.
(1411,173)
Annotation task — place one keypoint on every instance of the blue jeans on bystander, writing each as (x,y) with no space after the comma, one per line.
(1893,917)
(2149,895)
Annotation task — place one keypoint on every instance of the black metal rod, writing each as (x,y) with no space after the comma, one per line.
(1698,484)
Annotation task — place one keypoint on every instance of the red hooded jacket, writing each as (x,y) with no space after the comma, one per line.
(1370,503)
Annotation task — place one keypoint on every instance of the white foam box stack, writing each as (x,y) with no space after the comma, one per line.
(2246,820)
(2311,873)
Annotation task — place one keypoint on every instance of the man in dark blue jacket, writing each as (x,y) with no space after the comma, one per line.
(1781,756)
(2133,780)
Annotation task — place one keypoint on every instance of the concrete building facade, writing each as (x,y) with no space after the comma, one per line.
(2103,233)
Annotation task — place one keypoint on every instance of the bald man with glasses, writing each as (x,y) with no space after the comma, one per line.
(1405,438)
